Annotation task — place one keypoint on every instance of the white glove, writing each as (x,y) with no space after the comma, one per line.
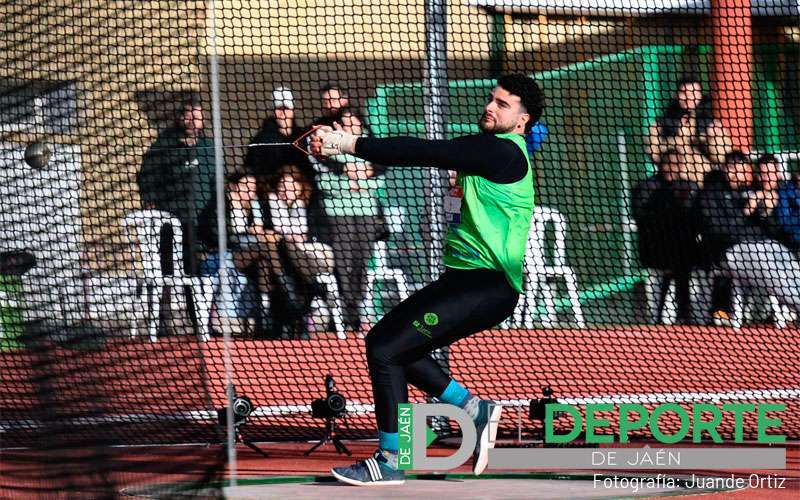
(336,141)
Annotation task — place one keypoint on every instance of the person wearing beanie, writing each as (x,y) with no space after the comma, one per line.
(280,126)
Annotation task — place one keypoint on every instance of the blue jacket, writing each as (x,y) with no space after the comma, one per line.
(788,210)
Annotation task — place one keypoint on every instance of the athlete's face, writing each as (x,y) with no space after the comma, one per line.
(504,113)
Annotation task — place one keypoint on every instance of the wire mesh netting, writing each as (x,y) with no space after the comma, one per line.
(659,263)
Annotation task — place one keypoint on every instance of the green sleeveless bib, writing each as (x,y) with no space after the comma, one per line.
(495,222)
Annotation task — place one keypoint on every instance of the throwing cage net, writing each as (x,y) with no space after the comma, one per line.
(662,264)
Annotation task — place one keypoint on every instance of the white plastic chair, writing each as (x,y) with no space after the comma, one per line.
(665,312)
(333,300)
(380,271)
(538,273)
(700,286)
(742,302)
(144,231)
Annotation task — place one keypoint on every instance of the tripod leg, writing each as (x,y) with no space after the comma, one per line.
(255,448)
(340,447)
(313,448)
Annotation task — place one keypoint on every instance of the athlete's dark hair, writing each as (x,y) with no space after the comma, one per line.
(528,92)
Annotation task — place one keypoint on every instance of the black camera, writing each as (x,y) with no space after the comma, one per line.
(333,405)
(538,406)
(242,408)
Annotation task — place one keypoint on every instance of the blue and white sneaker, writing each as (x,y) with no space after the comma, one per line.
(374,471)
(486,426)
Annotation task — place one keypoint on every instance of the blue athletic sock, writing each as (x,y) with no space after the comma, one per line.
(455,394)
(388,441)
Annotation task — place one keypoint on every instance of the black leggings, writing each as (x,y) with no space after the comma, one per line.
(458,304)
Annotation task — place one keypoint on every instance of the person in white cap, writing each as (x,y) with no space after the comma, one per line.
(279,127)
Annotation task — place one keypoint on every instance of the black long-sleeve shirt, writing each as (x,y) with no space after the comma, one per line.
(498,160)
(661,209)
(719,212)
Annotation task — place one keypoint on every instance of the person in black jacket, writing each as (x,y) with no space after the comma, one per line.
(279,128)
(661,208)
(737,235)
(720,209)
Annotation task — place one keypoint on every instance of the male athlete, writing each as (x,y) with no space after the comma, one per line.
(483,266)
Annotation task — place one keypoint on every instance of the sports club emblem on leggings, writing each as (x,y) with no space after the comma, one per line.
(430,319)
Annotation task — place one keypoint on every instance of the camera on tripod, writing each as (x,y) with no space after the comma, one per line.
(333,405)
(242,408)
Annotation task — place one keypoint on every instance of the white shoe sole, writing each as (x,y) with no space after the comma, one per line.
(486,440)
(353,482)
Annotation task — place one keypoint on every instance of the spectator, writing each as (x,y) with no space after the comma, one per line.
(271,227)
(337,107)
(351,203)
(688,126)
(288,208)
(335,101)
(280,127)
(230,309)
(721,209)
(788,210)
(738,235)
(763,205)
(177,175)
(661,208)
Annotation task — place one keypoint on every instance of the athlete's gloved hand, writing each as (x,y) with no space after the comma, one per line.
(329,141)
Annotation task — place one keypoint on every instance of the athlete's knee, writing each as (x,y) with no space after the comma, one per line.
(378,350)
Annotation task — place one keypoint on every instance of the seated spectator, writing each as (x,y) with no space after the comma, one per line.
(738,235)
(280,127)
(271,224)
(763,204)
(788,210)
(661,208)
(252,251)
(177,176)
(688,126)
(232,306)
(351,204)
(720,209)
(288,203)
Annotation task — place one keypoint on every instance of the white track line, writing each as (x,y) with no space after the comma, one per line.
(357,407)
